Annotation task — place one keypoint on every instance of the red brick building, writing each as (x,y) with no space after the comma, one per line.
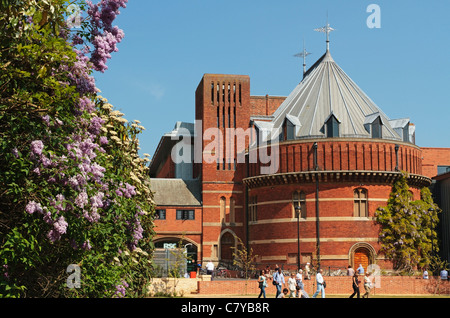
(297,178)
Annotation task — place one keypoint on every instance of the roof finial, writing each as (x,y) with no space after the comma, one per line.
(326,29)
(303,54)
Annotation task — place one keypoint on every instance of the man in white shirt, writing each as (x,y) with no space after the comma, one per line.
(319,281)
(210,269)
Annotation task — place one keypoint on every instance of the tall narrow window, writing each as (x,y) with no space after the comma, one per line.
(377,128)
(360,206)
(299,201)
(240,94)
(232,210)
(222,209)
(212,93)
(332,127)
(252,208)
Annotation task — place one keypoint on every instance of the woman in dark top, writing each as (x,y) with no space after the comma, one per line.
(355,285)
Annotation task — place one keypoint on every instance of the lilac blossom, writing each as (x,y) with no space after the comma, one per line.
(103,140)
(86,245)
(81,200)
(33,207)
(96,125)
(36,147)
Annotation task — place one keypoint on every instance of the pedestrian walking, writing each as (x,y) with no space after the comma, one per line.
(299,280)
(355,285)
(350,271)
(278,281)
(262,281)
(292,283)
(320,284)
(367,285)
(210,269)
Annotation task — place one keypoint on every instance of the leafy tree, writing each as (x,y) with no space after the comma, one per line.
(73,189)
(407,232)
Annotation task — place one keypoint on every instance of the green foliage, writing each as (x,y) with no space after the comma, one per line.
(407,232)
(244,258)
(39,100)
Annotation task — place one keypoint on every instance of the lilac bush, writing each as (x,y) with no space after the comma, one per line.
(73,189)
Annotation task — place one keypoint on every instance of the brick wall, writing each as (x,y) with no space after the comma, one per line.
(350,154)
(388,285)
(433,157)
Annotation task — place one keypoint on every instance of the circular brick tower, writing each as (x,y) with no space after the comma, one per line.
(318,169)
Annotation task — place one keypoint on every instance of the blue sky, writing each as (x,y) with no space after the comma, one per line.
(403,66)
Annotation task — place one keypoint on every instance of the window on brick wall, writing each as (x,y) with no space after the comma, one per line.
(223,204)
(299,200)
(360,206)
(185,215)
(252,208)
(160,214)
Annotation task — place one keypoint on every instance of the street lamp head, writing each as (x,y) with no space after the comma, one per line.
(430,210)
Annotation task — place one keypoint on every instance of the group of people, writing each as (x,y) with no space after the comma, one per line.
(295,288)
(292,286)
(356,282)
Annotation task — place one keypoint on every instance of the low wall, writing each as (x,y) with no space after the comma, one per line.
(178,286)
(336,285)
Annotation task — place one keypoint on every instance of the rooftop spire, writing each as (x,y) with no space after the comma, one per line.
(326,29)
(303,54)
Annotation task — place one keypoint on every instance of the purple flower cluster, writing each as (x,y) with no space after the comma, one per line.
(102,16)
(79,74)
(36,147)
(136,232)
(121,289)
(33,207)
(59,227)
(95,125)
(86,104)
(128,191)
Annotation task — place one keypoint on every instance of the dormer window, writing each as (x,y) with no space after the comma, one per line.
(332,126)
(377,128)
(288,130)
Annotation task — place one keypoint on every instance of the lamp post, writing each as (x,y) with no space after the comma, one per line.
(298,209)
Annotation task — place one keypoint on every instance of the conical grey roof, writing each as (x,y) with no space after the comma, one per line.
(326,91)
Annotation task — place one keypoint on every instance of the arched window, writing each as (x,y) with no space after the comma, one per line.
(299,201)
(360,206)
